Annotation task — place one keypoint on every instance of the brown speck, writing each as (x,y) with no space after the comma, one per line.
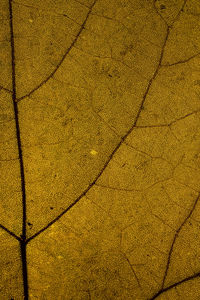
(162,6)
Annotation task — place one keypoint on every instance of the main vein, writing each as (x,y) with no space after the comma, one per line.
(16,113)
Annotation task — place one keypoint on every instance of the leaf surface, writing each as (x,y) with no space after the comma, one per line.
(99,149)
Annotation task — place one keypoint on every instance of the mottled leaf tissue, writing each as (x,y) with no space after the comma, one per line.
(100,149)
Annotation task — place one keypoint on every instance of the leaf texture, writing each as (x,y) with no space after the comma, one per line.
(99,149)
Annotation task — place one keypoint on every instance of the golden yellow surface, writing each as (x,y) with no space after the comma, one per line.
(99,150)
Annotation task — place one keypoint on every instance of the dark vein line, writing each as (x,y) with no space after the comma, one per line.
(116,148)
(24,268)
(117,188)
(154,5)
(63,58)
(150,82)
(17,124)
(181,61)
(172,122)
(82,3)
(132,269)
(162,291)
(5,89)
(48,12)
(180,11)
(35,7)
(10,232)
(23,236)
(177,16)
(174,240)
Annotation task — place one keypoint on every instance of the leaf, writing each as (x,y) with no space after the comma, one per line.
(99,149)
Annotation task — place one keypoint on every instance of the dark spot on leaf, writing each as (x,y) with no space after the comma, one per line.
(30,224)
(162,6)
(51,207)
